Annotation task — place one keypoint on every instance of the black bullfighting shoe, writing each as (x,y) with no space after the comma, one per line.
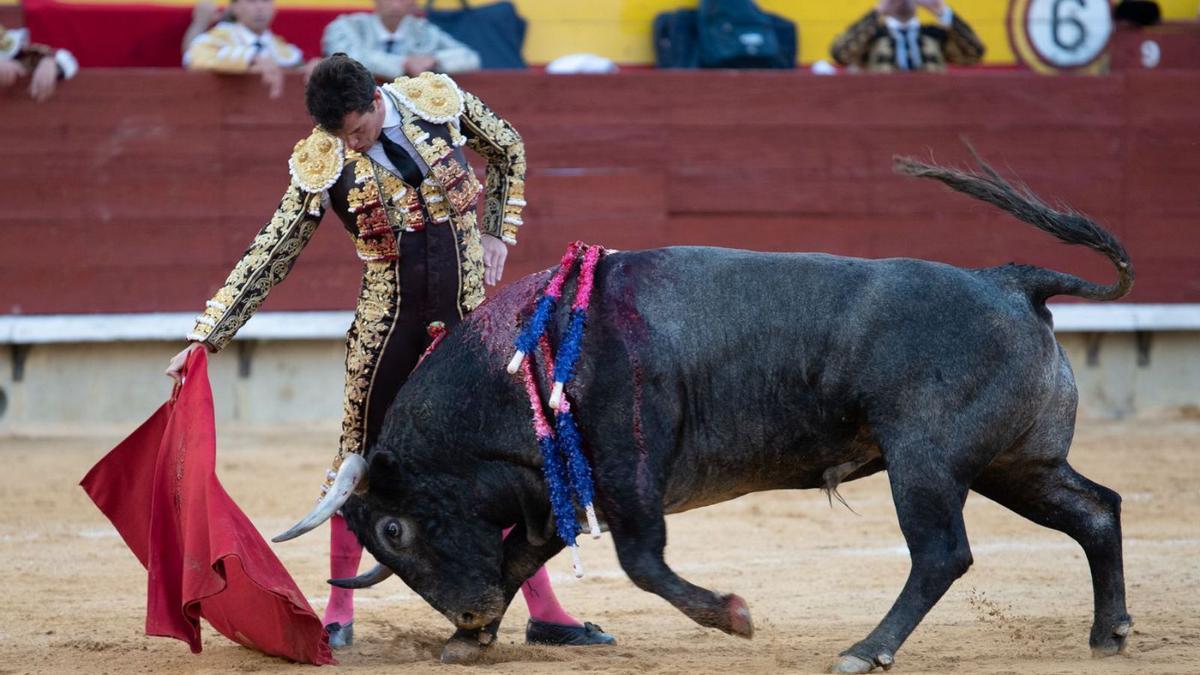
(340,635)
(543,633)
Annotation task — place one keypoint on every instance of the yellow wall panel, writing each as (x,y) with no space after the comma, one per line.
(621,29)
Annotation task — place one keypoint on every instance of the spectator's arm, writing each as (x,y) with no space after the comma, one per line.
(850,48)
(499,143)
(290,55)
(203,15)
(963,46)
(67,65)
(30,55)
(343,36)
(451,55)
(209,52)
(265,264)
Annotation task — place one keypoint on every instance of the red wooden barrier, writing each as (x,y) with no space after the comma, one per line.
(138,190)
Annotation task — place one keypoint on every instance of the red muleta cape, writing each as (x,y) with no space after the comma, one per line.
(204,556)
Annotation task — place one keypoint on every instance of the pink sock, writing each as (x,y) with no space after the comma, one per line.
(344,555)
(541,600)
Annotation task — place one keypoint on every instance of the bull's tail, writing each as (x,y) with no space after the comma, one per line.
(1067,225)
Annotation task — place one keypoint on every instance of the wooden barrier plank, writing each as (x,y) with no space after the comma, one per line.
(138,190)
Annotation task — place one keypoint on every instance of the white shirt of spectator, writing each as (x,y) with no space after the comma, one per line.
(247,46)
(363,37)
(20,37)
(907,35)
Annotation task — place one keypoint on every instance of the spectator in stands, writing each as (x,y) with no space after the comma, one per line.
(394,41)
(204,15)
(890,38)
(45,65)
(247,45)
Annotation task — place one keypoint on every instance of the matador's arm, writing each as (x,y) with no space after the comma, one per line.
(499,143)
(315,165)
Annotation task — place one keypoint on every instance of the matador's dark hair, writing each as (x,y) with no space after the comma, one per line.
(339,85)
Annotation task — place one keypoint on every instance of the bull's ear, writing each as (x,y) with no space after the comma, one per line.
(384,469)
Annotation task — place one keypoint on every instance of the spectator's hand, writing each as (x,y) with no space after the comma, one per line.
(272,74)
(11,71)
(308,68)
(495,252)
(175,367)
(934,6)
(204,13)
(419,63)
(45,79)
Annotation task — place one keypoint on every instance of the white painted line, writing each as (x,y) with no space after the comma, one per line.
(173,326)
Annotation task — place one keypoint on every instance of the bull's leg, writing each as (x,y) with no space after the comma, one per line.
(1056,496)
(640,539)
(929,505)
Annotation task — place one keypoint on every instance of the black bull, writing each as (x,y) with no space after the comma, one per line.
(708,374)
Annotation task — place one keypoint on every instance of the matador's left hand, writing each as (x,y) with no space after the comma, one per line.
(495,252)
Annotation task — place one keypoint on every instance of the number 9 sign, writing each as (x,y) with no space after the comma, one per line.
(1057,35)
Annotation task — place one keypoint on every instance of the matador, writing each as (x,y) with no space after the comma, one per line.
(389,162)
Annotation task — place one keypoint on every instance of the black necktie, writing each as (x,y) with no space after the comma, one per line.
(409,171)
(388,44)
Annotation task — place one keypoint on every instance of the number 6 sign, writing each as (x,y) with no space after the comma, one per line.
(1056,35)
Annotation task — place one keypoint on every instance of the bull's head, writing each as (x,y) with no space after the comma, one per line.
(424,526)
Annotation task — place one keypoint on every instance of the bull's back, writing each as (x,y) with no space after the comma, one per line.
(776,366)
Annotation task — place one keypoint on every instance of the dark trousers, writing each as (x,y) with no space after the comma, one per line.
(428,272)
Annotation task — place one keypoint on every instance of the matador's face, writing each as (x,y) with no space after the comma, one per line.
(360,130)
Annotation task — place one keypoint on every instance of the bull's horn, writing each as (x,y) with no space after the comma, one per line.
(365,580)
(350,475)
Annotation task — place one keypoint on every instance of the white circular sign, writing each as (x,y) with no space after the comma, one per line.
(1069,33)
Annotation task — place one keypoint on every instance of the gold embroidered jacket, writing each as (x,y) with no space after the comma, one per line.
(870,45)
(377,207)
(230,47)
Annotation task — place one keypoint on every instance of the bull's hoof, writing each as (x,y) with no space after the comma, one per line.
(852,664)
(462,651)
(849,663)
(466,647)
(1111,642)
(738,614)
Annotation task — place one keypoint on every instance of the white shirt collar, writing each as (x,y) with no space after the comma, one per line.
(391,116)
(384,33)
(248,37)
(896,25)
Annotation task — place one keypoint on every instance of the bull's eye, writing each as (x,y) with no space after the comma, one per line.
(395,533)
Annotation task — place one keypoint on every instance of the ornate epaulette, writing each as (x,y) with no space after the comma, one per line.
(317,161)
(433,97)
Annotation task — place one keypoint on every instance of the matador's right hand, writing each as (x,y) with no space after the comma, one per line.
(175,367)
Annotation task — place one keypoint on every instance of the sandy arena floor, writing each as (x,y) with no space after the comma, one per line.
(816,578)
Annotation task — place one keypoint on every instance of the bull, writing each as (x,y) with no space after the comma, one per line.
(708,374)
